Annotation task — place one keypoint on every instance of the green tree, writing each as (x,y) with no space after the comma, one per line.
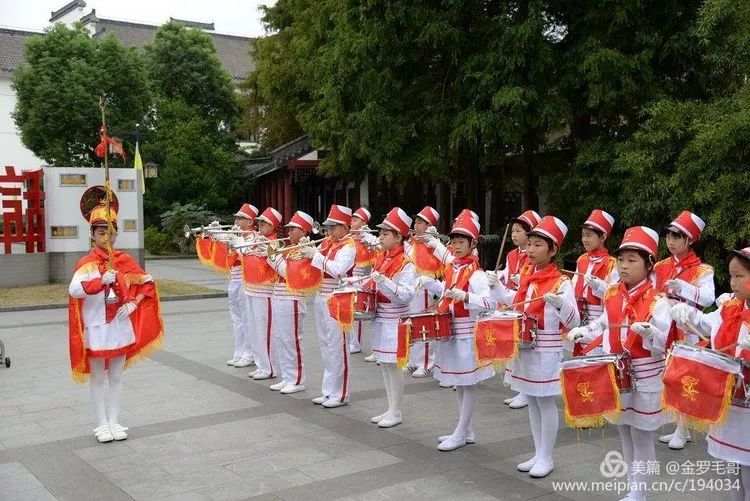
(58,90)
(191,130)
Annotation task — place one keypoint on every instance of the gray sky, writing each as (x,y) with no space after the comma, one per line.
(236,17)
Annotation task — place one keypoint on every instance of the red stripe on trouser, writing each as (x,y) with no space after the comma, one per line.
(296,342)
(269,314)
(426,355)
(359,332)
(346,367)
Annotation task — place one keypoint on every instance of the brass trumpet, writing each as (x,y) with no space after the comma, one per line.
(256,243)
(275,252)
(188,231)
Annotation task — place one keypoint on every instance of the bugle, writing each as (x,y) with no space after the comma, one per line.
(188,231)
(275,252)
(256,243)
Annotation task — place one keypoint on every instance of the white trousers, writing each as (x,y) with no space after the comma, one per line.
(286,334)
(355,343)
(263,349)
(334,351)
(241,313)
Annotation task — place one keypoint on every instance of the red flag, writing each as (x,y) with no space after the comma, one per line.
(496,340)
(403,345)
(302,276)
(341,308)
(590,393)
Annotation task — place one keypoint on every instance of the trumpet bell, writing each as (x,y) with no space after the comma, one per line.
(317,228)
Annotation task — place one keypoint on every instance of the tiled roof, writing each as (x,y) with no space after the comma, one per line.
(233,51)
(12,48)
(65,9)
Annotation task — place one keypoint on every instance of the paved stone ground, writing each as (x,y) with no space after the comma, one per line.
(200,430)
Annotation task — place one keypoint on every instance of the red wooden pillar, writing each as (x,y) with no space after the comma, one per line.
(288,196)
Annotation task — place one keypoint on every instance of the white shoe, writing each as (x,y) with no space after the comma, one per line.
(118,431)
(353,350)
(252,373)
(292,388)
(319,400)
(507,401)
(519,402)
(445,385)
(678,442)
(370,358)
(378,418)
(391,420)
(526,465)
(470,439)
(243,362)
(451,444)
(541,469)
(278,386)
(103,434)
(666,438)
(233,361)
(420,373)
(408,369)
(260,375)
(332,403)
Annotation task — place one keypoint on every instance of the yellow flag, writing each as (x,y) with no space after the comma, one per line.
(138,164)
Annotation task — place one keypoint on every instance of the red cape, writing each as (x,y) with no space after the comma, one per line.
(146,319)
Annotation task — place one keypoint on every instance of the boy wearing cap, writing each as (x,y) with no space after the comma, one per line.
(239,303)
(114,321)
(335,258)
(362,266)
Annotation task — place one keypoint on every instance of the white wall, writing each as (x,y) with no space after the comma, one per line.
(12,151)
(62,207)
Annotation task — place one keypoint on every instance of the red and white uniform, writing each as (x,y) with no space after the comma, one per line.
(640,408)
(601,265)
(289,310)
(729,441)
(335,260)
(422,355)
(394,296)
(355,343)
(515,260)
(240,309)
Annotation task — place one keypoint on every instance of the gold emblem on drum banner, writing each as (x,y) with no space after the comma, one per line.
(489,337)
(583,390)
(305,274)
(688,387)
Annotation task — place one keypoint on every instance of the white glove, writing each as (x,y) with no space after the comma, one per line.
(743,340)
(492,279)
(682,313)
(723,299)
(377,277)
(432,230)
(109,277)
(577,333)
(555,300)
(125,310)
(515,278)
(680,287)
(431,241)
(456,294)
(596,284)
(349,280)
(423,280)
(308,251)
(214,224)
(369,239)
(643,329)
(236,241)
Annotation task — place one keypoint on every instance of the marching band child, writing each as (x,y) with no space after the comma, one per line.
(596,270)
(636,322)
(685,279)
(729,328)
(422,355)
(362,267)
(114,320)
(393,278)
(465,296)
(514,261)
(547,295)
(239,303)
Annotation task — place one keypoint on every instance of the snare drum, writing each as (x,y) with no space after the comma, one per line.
(365,304)
(429,326)
(742,390)
(620,361)
(697,382)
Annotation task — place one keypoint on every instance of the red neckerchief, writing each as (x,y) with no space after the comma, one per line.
(466,267)
(671,268)
(517,259)
(545,280)
(734,313)
(389,264)
(600,269)
(637,303)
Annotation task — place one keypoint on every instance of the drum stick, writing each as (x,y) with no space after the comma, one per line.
(734,345)
(571,273)
(502,247)
(693,329)
(532,300)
